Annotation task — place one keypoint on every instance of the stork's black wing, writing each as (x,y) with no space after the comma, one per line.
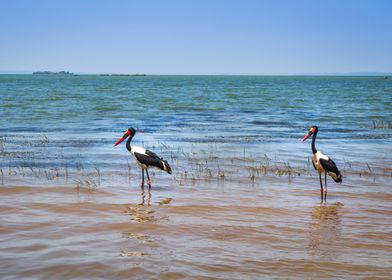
(152,154)
(329,165)
(331,168)
(150,159)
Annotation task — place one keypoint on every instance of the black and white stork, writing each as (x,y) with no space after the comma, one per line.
(323,164)
(144,158)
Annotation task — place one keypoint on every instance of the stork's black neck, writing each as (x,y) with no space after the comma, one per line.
(128,145)
(314,150)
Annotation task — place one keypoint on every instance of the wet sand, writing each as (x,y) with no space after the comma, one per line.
(199,229)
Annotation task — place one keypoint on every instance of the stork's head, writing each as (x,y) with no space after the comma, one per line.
(312,131)
(130,132)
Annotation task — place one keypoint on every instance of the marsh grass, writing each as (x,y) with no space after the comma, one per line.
(88,183)
(28,157)
(206,164)
(25,157)
(380,124)
(2,145)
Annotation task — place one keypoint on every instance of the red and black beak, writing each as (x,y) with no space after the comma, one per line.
(306,137)
(125,136)
(310,133)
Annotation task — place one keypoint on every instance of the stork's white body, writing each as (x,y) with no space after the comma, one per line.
(316,161)
(139,150)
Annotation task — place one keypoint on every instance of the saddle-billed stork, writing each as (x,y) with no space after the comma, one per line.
(144,158)
(323,164)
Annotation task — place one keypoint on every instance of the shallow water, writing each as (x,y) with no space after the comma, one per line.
(243,200)
(213,230)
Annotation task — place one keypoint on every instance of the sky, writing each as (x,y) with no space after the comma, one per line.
(243,37)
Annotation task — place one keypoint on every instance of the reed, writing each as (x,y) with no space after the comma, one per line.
(88,183)
(129,168)
(252,174)
(380,124)
(221,173)
(2,146)
(98,174)
(190,165)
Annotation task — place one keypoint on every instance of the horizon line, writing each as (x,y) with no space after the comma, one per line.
(360,73)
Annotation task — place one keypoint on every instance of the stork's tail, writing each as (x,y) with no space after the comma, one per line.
(166,166)
(337,177)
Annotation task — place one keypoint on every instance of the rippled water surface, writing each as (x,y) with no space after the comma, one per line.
(243,200)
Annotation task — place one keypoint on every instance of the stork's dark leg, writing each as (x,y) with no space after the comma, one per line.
(321,188)
(325,183)
(148,180)
(142,186)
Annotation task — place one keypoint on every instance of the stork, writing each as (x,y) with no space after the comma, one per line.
(323,164)
(144,158)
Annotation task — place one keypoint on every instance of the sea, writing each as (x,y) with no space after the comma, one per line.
(243,201)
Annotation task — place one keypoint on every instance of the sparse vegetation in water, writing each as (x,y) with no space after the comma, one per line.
(221,173)
(86,183)
(380,124)
(98,175)
(190,165)
(2,146)
(252,174)
(347,163)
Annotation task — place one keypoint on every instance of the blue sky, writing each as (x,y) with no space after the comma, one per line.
(196,37)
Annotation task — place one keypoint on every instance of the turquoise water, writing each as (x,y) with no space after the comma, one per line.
(66,121)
